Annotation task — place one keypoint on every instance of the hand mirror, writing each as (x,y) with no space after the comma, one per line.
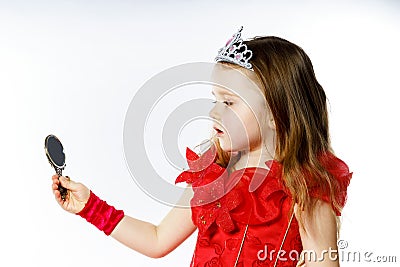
(55,154)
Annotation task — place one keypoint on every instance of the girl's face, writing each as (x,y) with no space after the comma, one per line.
(240,112)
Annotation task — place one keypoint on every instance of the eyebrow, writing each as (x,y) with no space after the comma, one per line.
(224,92)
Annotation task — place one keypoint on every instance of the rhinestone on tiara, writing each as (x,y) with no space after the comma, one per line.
(236,52)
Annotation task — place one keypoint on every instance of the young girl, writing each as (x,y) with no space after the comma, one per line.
(269,186)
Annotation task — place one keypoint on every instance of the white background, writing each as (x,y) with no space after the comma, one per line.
(71,68)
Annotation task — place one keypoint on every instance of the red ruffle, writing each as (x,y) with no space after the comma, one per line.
(222,200)
(340,171)
(199,166)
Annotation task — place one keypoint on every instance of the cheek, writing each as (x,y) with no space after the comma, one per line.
(242,127)
(252,127)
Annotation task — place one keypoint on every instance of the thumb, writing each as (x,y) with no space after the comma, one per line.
(68,183)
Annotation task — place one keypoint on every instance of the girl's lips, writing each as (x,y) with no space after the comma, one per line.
(219,132)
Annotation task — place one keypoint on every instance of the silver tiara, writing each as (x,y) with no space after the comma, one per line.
(236,52)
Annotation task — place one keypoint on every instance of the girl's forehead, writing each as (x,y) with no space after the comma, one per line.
(235,82)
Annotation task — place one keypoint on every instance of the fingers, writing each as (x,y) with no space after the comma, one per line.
(54,186)
(77,194)
(55,183)
(68,183)
(54,178)
(57,196)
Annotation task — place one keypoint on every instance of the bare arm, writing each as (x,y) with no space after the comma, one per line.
(146,238)
(157,241)
(319,236)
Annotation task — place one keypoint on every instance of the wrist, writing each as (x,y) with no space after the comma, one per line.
(85,206)
(80,205)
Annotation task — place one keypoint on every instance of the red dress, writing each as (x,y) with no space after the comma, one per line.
(244,227)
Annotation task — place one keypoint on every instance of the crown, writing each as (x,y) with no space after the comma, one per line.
(235,52)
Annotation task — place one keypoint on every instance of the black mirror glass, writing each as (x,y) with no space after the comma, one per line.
(56,156)
(55,151)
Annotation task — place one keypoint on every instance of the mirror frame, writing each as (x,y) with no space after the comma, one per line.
(48,154)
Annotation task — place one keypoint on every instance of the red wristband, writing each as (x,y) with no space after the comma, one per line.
(100,214)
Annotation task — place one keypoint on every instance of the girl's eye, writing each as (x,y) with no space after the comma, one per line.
(228,103)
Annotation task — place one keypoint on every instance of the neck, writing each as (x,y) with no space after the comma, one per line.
(254,158)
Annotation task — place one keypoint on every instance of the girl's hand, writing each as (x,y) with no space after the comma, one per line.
(77,196)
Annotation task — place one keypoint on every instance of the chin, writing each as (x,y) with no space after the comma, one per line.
(228,149)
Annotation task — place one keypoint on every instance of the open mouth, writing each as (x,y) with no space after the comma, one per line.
(219,132)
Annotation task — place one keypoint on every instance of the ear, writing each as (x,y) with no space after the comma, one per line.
(271,123)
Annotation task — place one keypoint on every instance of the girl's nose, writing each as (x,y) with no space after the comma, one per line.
(214,113)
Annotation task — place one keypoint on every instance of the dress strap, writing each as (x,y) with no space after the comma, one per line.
(241,245)
(244,236)
(283,240)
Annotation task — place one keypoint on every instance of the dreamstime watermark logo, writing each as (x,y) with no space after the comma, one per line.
(144,103)
(341,253)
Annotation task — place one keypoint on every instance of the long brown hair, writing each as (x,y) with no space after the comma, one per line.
(298,104)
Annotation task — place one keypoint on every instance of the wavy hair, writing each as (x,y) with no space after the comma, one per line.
(299,106)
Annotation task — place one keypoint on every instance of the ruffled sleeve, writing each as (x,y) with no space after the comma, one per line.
(190,175)
(340,171)
(200,167)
